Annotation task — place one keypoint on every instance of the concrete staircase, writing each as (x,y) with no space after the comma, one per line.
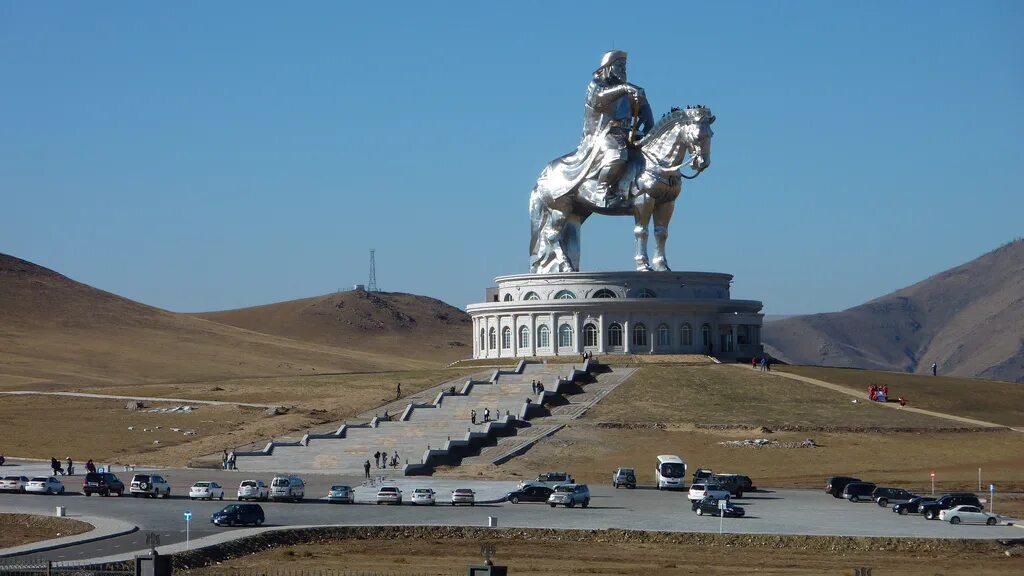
(425,435)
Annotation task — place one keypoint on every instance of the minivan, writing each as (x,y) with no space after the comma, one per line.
(234,514)
(835,485)
(857,491)
(287,488)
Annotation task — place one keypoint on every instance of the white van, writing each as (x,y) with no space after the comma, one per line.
(670,473)
(287,488)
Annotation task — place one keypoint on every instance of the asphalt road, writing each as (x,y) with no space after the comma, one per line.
(783,511)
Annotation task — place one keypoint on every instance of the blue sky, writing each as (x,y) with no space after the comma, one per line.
(210,155)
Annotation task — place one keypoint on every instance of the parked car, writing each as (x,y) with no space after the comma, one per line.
(389,495)
(463,496)
(102,483)
(968,515)
(733,483)
(549,479)
(287,488)
(253,490)
(885,496)
(931,510)
(424,496)
(712,507)
(570,495)
(701,491)
(857,491)
(150,485)
(13,483)
(835,485)
(206,491)
(234,514)
(341,493)
(912,506)
(701,475)
(44,485)
(529,494)
(624,477)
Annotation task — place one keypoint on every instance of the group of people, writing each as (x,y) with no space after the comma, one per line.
(880,393)
(381,458)
(587,355)
(227,460)
(537,386)
(487,415)
(765,363)
(59,470)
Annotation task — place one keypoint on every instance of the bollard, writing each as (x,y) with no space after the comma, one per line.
(492,521)
(61,511)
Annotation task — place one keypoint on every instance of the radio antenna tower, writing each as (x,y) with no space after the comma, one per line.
(371,286)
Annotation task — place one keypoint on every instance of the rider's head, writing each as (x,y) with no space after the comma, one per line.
(613,66)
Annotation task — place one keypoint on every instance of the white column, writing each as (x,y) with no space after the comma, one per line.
(600,334)
(476,337)
(626,335)
(533,334)
(577,334)
(515,335)
(554,333)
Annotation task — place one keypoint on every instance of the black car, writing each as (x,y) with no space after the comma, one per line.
(835,485)
(235,514)
(931,509)
(102,483)
(886,496)
(710,506)
(912,506)
(529,493)
(857,491)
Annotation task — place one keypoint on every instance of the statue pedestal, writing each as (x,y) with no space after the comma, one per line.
(568,314)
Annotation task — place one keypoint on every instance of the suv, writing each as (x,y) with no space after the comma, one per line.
(102,483)
(570,495)
(233,514)
(702,491)
(931,510)
(732,482)
(855,491)
(701,475)
(886,496)
(835,485)
(624,477)
(912,506)
(149,485)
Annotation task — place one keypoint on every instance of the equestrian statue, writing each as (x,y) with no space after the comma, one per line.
(625,164)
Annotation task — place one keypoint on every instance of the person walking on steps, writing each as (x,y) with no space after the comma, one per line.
(376,458)
(398,391)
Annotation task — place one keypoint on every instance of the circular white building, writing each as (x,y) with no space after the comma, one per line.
(615,313)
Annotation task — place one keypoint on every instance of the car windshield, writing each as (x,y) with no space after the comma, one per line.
(248,484)
(339,488)
(463,491)
(201,485)
(422,491)
(672,470)
(280,482)
(231,508)
(564,488)
(141,479)
(626,471)
(387,489)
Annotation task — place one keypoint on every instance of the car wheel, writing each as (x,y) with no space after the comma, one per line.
(552,505)
(229,523)
(930,515)
(514,500)
(120,492)
(700,511)
(631,486)
(739,494)
(854,499)
(883,502)
(259,522)
(586,502)
(990,522)
(87,494)
(61,489)
(221,496)
(954,520)
(903,511)
(570,504)
(135,495)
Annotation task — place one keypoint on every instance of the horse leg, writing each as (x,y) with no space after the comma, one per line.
(571,240)
(555,235)
(643,206)
(538,222)
(662,216)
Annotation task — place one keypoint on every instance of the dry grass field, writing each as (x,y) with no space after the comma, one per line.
(991,400)
(19,529)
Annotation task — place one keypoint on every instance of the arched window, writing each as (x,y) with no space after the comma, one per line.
(645,293)
(705,335)
(507,298)
(615,335)
(664,336)
(483,342)
(589,335)
(639,334)
(686,335)
(543,337)
(531,296)
(506,337)
(565,295)
(492,339)
(604,293)
(564,336)
(524,337)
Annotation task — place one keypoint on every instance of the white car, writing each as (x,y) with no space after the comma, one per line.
(253,490)
(463,496)
(423,496)
(13,483)
(389,494)
(44,485)
(703,490)
(206,491)
(967,514)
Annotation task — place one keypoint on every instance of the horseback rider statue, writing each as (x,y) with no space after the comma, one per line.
(616,114)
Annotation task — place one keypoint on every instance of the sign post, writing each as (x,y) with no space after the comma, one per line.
(188,520)
(992,498)
(722,504)
(979,479)
(933,483)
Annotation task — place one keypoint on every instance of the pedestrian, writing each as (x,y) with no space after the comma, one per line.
(71,467)
(935,369)
(398,391)
(487,414)
(753,362)
(386,416)
(472,416)
(2,459)
(540,387)
(533,386)
(763,363)
(224,461)
(90,467)
(366,468)
(55,466)
(395,460)
(231,460)
(903,401)
(768,364)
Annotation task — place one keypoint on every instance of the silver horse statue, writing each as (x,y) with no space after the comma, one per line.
(560,202)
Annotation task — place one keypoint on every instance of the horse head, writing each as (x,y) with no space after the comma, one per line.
(678,133)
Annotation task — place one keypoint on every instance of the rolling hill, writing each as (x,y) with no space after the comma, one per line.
(57,332)
(969,320)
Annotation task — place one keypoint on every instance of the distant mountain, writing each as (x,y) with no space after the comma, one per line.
(969,320)
(388,323)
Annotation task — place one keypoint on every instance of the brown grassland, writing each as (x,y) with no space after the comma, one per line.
(19,529)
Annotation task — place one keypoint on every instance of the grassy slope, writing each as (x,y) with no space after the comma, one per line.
(19,529)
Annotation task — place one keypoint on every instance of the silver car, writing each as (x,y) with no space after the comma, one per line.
(463,496)
(389,495)
(569,495)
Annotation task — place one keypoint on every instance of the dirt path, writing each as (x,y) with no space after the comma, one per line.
(860,396)
(142,398)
